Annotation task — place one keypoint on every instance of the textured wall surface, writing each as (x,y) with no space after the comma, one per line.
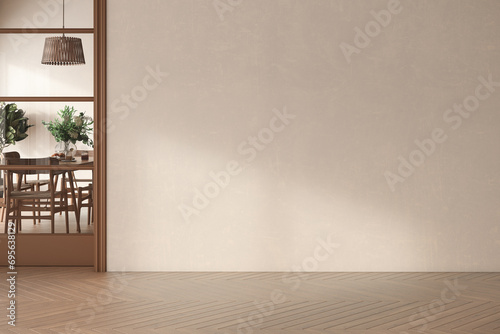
(256,135)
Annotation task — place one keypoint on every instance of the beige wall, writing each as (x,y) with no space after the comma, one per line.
(197,87)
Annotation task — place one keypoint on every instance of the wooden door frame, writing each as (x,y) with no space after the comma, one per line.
(99,99)
(100,40)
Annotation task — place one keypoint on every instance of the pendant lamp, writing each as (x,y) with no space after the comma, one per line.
(63,50)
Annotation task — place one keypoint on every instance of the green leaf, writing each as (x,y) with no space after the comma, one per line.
(13,124)
(22,136)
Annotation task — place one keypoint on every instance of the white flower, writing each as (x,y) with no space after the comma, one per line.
(87,118)
(73,134)
(66,119)
(78,120)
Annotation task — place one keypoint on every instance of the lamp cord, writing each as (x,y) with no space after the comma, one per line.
(63,17)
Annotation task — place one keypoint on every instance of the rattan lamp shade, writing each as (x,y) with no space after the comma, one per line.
(63,51)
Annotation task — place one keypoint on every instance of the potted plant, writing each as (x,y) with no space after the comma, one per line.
(69,128)
(13,125)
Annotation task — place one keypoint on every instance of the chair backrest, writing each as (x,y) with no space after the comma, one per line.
(12,155)
(31,162)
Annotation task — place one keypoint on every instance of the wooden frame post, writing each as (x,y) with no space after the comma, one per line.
(100,130)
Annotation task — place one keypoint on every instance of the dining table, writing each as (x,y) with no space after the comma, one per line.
(75,164)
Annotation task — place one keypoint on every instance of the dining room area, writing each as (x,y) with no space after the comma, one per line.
(56,201)
(50,119)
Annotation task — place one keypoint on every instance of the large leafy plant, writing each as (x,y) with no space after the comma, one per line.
(71,126)
(13,125)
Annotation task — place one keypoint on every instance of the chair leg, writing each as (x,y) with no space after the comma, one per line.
(52,218)
(36,206)
(19,218)
(80,204)
(6,217)
(63,180)
(74,202)
(39,204)
(64,206)
(77,208)
(9,208)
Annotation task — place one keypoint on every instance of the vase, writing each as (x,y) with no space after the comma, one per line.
(67,148)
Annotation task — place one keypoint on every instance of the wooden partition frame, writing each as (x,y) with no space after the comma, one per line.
(100,79)
(99,99)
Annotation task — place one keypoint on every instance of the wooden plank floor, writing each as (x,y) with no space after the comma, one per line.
(77,300)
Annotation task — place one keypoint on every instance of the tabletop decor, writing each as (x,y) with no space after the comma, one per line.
(69,128)
(13,125)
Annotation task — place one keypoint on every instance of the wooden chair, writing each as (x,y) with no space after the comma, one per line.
(35,183)
(86,194)
(27,184)
(18,201)
(24,186)
(79,154)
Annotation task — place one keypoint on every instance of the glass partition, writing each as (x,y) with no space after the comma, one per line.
(22,74)
(68,183)
(45,13)
(42,194)
(40,142)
